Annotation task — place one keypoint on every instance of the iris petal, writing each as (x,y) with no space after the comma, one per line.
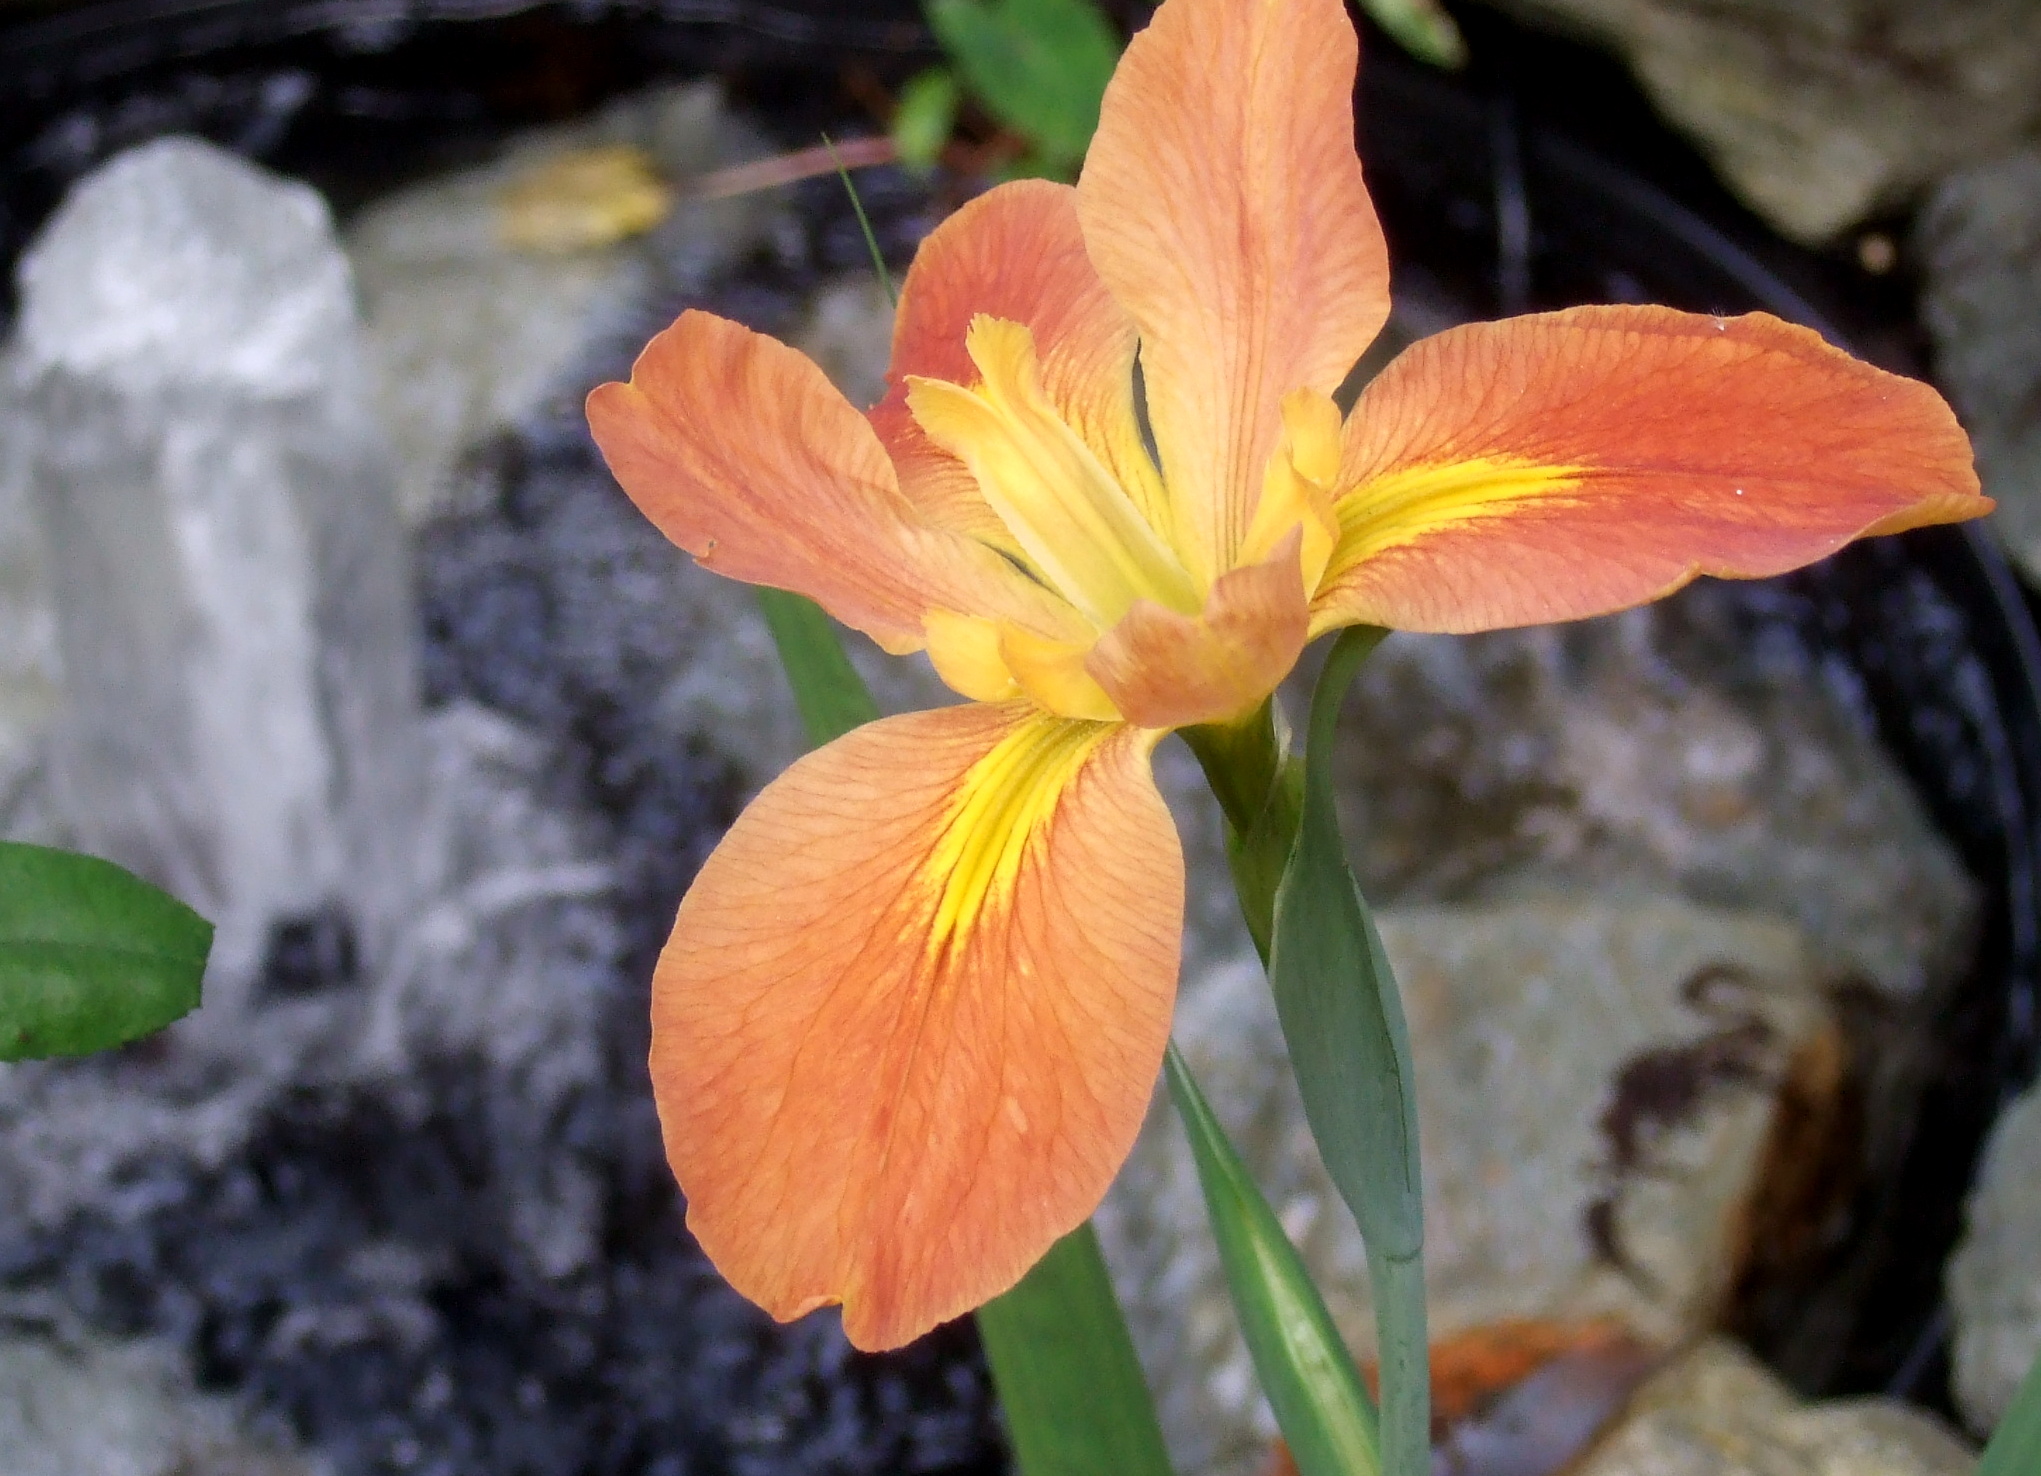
(913,1008)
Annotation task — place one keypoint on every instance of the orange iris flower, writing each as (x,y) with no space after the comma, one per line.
(914,1005)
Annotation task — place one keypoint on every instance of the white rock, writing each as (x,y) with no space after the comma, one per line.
(1994,1279)
(148,279)
(228,572)
(31,673)
(1980,239)
(79,1407)
(1717,1412)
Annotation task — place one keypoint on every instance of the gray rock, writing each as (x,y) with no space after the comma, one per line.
(1980,245)
(1652,752)
(227,568)
(1994,1280)
(1561,1184)
(470,331)
(1818,112)
(849,332)
(1716,1411)
(80,1406)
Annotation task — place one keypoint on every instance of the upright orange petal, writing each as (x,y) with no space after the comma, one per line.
(1222,202)
(913,1009)
(1014,253)
(740,450)
(1573,463)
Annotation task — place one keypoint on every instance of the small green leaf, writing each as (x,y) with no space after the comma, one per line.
(1320,1404)
(1039,66)
(1422,28)
(2015,1447)
(1343,1021)
(926,116)
(832,697)
(1075,1400)
(91,957)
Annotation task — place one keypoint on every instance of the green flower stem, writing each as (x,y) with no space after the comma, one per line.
(1260,789)
(1259,784)
(1341,1014)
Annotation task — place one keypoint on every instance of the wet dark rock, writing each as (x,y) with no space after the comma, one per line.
(351,1273)
(309,953)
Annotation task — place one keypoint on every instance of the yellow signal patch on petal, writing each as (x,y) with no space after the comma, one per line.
(1406,505)
(1076,526)
(1570,464)
(1003,805)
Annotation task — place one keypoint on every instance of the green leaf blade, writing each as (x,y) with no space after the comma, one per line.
(1039,66)
(2015,1446)
(1320,1403)
(1075,1400)
(1342,1019)
(926,116)
(830,694)
(91,956)
(1422,28)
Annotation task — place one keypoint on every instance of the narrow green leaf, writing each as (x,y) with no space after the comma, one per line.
(2015,1447)
(857,204)
(1320,1404)
(1039,66)
(1422,28)
(1075,1400)
(926,116)
(832,697)
(91,957)
(1343,1021)
(1341,1014)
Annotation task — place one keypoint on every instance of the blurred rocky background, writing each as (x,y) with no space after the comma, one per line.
(1907,132)
(1708,916)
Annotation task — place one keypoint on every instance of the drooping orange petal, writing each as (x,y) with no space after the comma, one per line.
(1014,253)
(740,450)
(1223,205)
(1574,463)
(1166,670)
(913,1008)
